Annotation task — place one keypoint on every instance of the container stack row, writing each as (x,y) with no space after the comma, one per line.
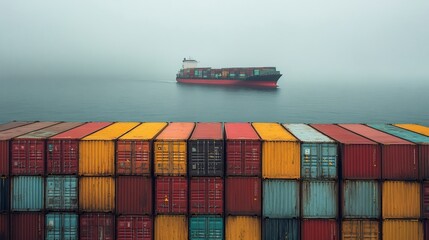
(130,180)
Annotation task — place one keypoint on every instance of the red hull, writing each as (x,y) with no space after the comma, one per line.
(228,82)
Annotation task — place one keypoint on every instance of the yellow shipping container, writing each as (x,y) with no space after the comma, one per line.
(145,131)
(415,128)
(360,229)
(242,228)
(97,151)
(171,227)
(401,199)
(280,152)
(97,194)
(402,230)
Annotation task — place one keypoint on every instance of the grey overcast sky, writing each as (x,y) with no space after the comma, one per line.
(363,39)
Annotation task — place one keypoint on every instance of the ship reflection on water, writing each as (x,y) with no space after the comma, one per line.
(228,87)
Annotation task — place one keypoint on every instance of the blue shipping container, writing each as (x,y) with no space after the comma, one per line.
(61,226)
(361,199)
(281,229)
(27,193)
(4,194)
(206,227)
(319,199)
(61,193)
(401,133)
(281,198)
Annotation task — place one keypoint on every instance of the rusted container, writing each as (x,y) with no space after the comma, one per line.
(425,199)
(63,149)
(97,151)
(398,157)
(206,195)
(96,194)
(134,149)
(4,194)
(205,150)
(326,229)
(402,229)
(14,124)
(280,152)
(171,149)
(361,199)
(242,228)
(4,226)
(401,199)
(171,194)
(319,199)
(61,226)
(29,150)
(97,226)
(171,227)
(360,157)
(132,227)
(243,196)
(5,141)
(243,150)
(61,193)
(27,225)
(133,195)
(360,229)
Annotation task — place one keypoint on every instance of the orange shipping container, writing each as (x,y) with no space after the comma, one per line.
(402,230)
(97,194)
(171,227)
(243,228)
(360,229)
(401,199)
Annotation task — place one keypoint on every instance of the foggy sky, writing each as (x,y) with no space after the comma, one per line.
(330,39)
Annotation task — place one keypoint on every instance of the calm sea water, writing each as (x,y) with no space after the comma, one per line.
(133,99)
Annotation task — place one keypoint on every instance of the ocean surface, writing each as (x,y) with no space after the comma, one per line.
(134,99)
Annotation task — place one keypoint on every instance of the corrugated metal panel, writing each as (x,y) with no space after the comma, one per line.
(206,227)
(401,199)
(61,226)
(206,195)
(4,158)
(112,132)
(28,157)
(273,132)
(423,130)
(62,157)
(25,226)
(306,133)
(177,131)
(281,160)
(171,227)
(243,158)
(4,194)
(27,193)
(281,229)
(133,195)
(361,199)
(96,226)
(61,193)
(240,131)
(319,160)
(206,158)
(425,200)
(281,198)
(402,229)
(243,196)
(130,227)
(206,131)
(319,229)
(242,228)
(171,195)
(4,226)
(97,194)
(360,230)
(319,199)
(10,125)
(170,158)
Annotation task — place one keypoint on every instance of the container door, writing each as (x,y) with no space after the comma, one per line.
(70,193)
(215,228)
(177,160)
(124,157)
(197,158)
(141,158)
(252,158)
(328,154)
(162,157)
(198,228)
(179,193)
(234,158)
(53,227)
(215,158)
(70,226)
(70,154)
(54,156)
(54,193)
(310,156)
(4,194)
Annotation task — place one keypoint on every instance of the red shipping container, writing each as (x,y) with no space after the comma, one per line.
(133,227)
(171,195)
(10,125)
(27,225)
(425,199)
(319,229)
(243,196)
(139,151)
(206,195)
(4,226)
(97,226)
(63,149)
(5,139)
(133,195)
(398,157)
(29,150)
(360,157)
(243,150)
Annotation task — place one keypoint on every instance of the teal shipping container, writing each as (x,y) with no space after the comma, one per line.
(280,229)
(361,199)
(206,227)
(281,198)
(319,199)
(61,193)
(27,193)
(61,226)
(319,153)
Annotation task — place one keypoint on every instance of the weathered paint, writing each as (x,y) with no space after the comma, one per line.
(208,227)
(27,193)
(319,199)
(27,225)
(280,229)
(206,195)
(361,199)
(171,227)
(171,195)
(96,226)
(97,194)
(402,229)
(61,193)
(242,228)
(134,195)
(360,230)
(13,124)
(401,199)
(4,194)
(243,196)
(130,227)
(61,226)
(281,198)
(319,229)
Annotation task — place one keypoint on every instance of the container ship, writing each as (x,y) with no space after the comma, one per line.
(250,76)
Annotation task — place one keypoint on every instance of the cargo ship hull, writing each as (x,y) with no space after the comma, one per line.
(260,81)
